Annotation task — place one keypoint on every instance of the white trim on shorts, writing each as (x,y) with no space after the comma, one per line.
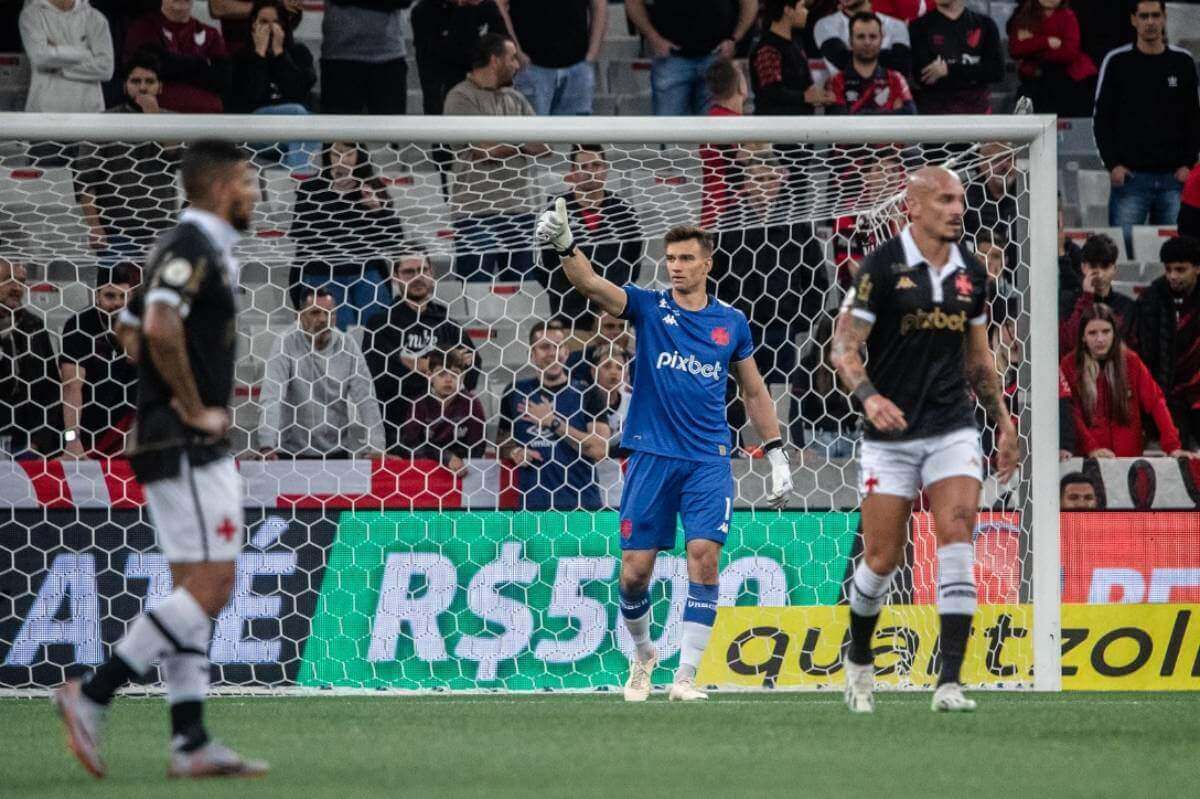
(902,468)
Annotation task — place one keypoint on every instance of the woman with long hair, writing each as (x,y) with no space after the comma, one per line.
(1110,390)
(347,234)
(1043,37)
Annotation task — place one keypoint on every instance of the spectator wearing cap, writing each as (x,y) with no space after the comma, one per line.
(601,216)
(70,52)
(547,433)
(235,17)
(345,226)
(30,393)
(956,58)
(1147,123)
(834,38)
(399,341)
(729,91)
(866,86)
(558,45)
(1189,205)
(447,424)
(127,189)
(1110,391)
(1043,36)
(99,378)
(1076,491)
(1099,264)
(446,34)
(317,399)
(1168,332)
(195,69)
(492,190)
(684,37)
(363,66)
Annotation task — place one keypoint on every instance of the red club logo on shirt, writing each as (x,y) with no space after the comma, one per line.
(226,529)
(720,336)
(974,36)
(626,528)
(962,283)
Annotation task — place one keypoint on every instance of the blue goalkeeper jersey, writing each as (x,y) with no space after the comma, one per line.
(682,368)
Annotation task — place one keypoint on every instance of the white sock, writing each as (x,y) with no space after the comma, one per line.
(693,642)
(956,579)
(868,590)
(639,631)
(186,677)
(177,624)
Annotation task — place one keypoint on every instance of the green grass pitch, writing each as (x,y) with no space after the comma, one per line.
(736,745)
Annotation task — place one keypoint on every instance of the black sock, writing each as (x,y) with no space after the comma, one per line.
(105,680)
(861,630)
(956,628)
(187,726)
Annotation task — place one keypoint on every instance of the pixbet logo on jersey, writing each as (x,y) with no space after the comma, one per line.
(690,364)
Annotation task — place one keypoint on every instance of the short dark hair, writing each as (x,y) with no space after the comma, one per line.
(722,78)
(1099,249)
(690,233)
(598,149)
(439,359)
(143,58)
(317,293)
(1133,4)
(204,161)
(489,46)
(1072,478)
(599,353)
(996,238)
(772,10)
(125,273)
(539,328)
(1180,249)
(865,16)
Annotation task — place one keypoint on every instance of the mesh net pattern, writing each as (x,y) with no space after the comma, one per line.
(401,571)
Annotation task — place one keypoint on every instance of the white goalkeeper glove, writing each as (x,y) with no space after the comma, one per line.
(781,478)
(553,229)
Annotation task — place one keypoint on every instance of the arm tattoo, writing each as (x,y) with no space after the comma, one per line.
(986,383)
(846,350)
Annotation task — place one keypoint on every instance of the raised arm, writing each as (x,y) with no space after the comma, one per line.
(981,374)
(554,230)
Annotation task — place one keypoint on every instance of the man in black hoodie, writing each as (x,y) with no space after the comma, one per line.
(397,343)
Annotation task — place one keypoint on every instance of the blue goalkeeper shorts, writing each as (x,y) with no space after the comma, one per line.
(658,489)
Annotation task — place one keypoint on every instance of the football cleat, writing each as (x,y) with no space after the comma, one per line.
(860,687)
(949,698)
(637,689)
(214,759)
(83,720)
(685,691)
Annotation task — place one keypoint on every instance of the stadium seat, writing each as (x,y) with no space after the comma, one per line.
(1094,189)
(1148,240)
(1076,138)
(14,81)
(1000,14)
(1080,235)
(636,105)
(622,47)
(629,77)
(1183,26)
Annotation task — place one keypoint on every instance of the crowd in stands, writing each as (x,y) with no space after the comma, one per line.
(1130,368)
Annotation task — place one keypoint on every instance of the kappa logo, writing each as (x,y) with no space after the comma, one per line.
(669,319)
(905,283)
(662,303)
(720,336)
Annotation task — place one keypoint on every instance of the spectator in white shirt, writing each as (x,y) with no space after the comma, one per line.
(71,52)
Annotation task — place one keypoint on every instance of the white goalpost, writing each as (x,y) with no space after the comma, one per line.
(398,573)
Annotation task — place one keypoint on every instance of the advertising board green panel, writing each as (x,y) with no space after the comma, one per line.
(528,600)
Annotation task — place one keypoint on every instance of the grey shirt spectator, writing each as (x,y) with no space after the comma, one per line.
(446,33)
(71,52)
(317,396)
(362,57)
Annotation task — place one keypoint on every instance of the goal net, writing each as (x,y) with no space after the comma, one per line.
(410,523)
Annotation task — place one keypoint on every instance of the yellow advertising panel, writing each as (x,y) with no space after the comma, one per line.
(1105,647)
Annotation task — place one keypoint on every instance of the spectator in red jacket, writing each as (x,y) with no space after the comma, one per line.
(447,424)
(1099,264)
(1189,205)
(1043,36)
(1111,388)
(195,67)
(904,10)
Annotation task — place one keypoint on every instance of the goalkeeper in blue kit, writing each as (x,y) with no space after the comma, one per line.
(689,344)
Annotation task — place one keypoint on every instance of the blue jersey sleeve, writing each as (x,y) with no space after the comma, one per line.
(636,300)
(745,341)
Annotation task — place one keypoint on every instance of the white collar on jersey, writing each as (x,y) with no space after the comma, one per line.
(913,257)
(221,233)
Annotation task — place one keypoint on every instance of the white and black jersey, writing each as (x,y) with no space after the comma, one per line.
(916,346)
(192,269)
